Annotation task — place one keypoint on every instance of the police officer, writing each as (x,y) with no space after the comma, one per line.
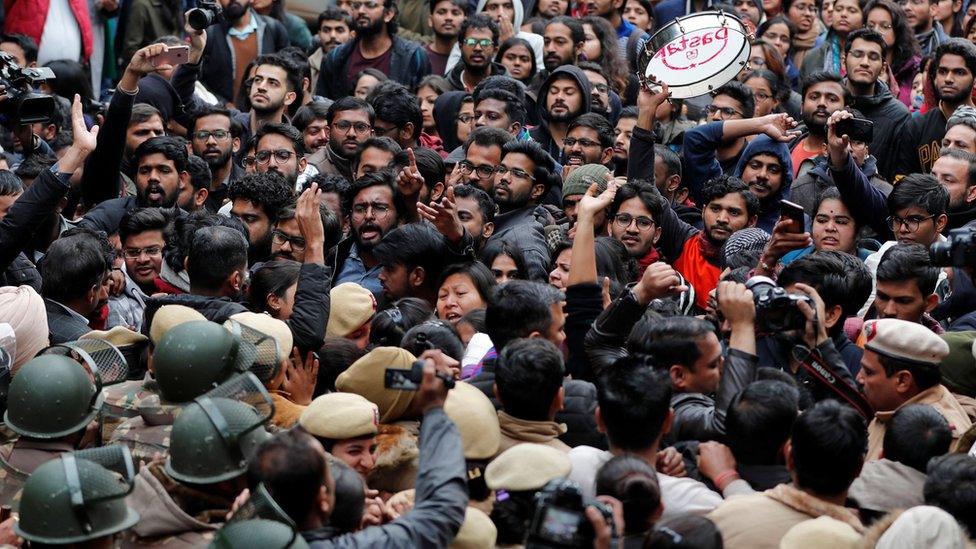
(52,401)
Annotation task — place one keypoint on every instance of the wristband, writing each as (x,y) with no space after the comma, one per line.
(720,479)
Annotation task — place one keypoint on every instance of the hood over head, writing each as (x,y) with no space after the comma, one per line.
(763,144)
(576,74)
(519,12)
(446,108)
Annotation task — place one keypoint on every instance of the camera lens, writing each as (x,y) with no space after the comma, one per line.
(199,19)
(941,253)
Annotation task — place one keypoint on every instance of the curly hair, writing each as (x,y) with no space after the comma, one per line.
(267,190)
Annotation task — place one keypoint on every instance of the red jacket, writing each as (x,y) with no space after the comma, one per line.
(28,17)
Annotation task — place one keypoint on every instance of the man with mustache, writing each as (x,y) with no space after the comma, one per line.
(446,18)
(712,142)
(350,121)
(865,61)
(373,155)
(621,141)
(482,152)
(599,88)
(478,42)
(312,121)
(275,85)
(372,205)
(256,200)
(563,97)
(928,31)
(823,93)
(951,76)
(335,29)
(563,40)
(233,43)
(376,46)
(612,11)
(499,108)
(216,137)
(589,141)
(278,148)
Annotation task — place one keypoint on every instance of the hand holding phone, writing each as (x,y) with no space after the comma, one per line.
(172,55)
(856,129)
(793,212)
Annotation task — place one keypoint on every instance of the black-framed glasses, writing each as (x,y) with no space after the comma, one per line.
(248,161)
(465,118)
(725,111)
(281,155)
(344,126)
(380,211)
(484,171)
(280,238)
(623,220)
(584,142)
(219,135)
(517,173)
(911,222)
(483,42)
(602,88)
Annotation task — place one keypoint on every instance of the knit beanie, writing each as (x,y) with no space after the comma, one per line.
(580,179)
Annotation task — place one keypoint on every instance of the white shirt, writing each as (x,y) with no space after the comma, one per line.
(678,495)
(61,38)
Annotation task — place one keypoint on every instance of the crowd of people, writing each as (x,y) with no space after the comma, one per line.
(448,274)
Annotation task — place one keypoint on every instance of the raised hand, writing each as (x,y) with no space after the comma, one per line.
(310,223)
(783,241)
(300,377)
(83,138)
(659,280)
(780,127)
(443,215)
(142,61)
(837,145)
(409,180)
(591,204)
(736,302)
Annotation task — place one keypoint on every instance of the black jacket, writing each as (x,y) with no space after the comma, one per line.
(579,405)
(889,116)
(454,76)
(100,181)
(218,57)
(838,352)
(541,133)
(920,141)
(25,216)
(62,325)
(408,65)
(522,229)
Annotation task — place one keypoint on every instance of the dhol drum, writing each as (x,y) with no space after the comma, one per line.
(695,54)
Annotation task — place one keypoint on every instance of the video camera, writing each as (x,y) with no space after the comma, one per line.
(959,249)
(776,309)
(205,14)
(560,519)
(21,105)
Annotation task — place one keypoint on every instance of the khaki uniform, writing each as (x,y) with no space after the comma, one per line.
(519,431)
(162,504)
(122,402)
(19,459)
(148,434)
(939,398)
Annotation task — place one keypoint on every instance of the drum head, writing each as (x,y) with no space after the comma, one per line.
(696,54)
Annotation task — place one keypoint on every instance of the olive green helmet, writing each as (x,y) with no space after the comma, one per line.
(258,533)
(213,437)
(78,497)
(50,397)
(194,357)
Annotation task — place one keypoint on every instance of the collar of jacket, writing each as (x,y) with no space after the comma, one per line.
(529,431)
(815,507)
(930,396)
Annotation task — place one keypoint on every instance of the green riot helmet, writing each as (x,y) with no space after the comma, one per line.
(195,357)
(50,397)
(258,533)
(214,437)
(78,497)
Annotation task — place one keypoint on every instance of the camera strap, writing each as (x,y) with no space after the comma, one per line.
(822,371)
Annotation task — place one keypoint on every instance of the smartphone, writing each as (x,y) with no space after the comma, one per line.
(400,380)
(172,55)
(793,212)
(857,129)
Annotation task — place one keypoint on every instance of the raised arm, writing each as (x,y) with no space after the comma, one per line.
(311,311)
(867,204)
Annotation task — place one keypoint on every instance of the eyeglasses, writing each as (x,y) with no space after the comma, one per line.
(280,238)
(280,155)
(380,211)
(762,96)
(354,6)
(572,141)
(247,161)
(624,220)
(911,222)
(726,112)
(517,173)
(602,88)
(219,135)
(383,132)
(344,126)
(484,171)
(883,26)
(483,42)
(465,118)
(805,8)
(859,54)
(136,253)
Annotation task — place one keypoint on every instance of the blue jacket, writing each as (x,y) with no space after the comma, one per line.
(769,208)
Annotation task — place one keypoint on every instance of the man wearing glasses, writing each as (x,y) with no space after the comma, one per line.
(350,123)
(216,138)
(256,200)
(864,58)
(376,46)
(482,152)
(279,149)
(524,175)
(478,42)
(733,101)
(141,233)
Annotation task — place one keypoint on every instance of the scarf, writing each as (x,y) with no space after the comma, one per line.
(652,256)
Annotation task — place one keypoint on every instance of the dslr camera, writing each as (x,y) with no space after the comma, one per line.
(409,380)
(21,105)
(560,520)
(776,309)
(959,249)
(205,14)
